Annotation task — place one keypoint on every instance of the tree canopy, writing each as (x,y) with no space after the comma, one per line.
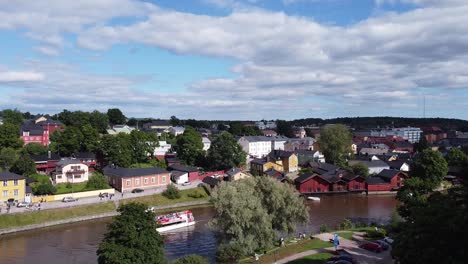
(132,238)
(97,181)
(66,142)
(116,117)
(9,136)
(456,157)
(14,117)
(250,212)
(191,259)
(189,147)
(430,166)
(34,148)
(335,143)
(360,169)
(225,152)
(24,165)
(7,157)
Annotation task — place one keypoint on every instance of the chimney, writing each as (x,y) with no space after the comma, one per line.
(49,154)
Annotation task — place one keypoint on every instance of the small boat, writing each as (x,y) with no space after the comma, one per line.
(313,198)
(174,221)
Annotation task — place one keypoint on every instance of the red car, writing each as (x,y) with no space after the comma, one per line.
(372,247)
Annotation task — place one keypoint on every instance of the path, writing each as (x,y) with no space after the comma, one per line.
(301,255)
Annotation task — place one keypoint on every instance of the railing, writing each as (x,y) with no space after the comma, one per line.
(74,172)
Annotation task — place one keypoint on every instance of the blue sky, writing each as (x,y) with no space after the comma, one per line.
(236,59)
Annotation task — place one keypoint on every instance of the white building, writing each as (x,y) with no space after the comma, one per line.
(260,146)
(120,129)
(162,149)
(70,170)
(179,177)
(277,142)
(206,143)
(412,134)
(176,131)
(265,125)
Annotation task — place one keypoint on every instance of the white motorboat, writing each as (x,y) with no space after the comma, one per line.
(313,198)
(174,221)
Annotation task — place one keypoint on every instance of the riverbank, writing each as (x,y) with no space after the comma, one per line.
(11,223)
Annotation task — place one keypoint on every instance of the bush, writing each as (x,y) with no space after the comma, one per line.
(197,193)
(191,259)
(323,228)
(346,224)
(229,253)
(44,188)
(97,182)
(376,234)
(171,192)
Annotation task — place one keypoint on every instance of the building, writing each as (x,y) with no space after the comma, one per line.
(87,158)
(176,130)
(386,180)
(277,142)
(206,143)
(127,179)
(70,170)
(375,166)
(13,186)
(262,125)
(293,144)
(299,132)
(211,182)
(120,129)
(162,150)
(400,165)
(235,174)
(192,171)
(38,130)
(269,133)
(306,156)
(260,146)
(158,124)
(312,183)
(286,160)
(46,163)
(412,134)
(179,177)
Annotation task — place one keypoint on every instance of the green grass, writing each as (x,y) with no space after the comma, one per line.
(160,200)
(316,244)
(77,187)
(319,258)
(38,217)
(346,235)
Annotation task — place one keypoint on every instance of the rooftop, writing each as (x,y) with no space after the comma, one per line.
(7,175)
(132,172)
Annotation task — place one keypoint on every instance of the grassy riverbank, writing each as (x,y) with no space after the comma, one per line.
(38,217)
(160,200)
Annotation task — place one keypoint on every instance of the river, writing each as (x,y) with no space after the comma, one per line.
(77,243)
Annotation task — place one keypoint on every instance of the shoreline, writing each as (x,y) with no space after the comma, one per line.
(161,208)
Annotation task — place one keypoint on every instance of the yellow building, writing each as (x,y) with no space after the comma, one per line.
(12,186)
(279,160)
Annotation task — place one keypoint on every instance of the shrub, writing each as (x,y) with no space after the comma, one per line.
(44,188)
(97,182)
(197,193)
(376,234)
(229,253)
(346,224)
(323,228)
(191,259)
(171,192)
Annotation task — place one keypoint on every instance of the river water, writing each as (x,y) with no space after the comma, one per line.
(77,243)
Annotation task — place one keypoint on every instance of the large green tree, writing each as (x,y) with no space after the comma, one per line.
(117,149)
(24,165)
(360,169)
(66,142)
(189,146)
(430,166)
(99,121)
(7,157)
(251,212)
(132,238)
(9,136)
(14,117)
(116,117)
(335,143)
(456,157)
(225,152)
(143,145)
(34,148)
(284,128)
(97,181)
(90,140)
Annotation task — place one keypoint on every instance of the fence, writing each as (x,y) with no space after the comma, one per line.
(59,197)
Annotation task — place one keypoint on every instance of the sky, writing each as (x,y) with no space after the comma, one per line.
(236,59)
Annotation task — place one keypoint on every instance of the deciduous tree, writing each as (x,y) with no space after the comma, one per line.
(90,141)
(24,165)
(34,148)
(191,259)
(117,149)
(189,146)
(456,157)
(9,136)
(225,152)
(12,117)
(335,143)
(67,142)
(97,181)
(143,145)
(360,169)
(431,167)
(116,117)
(7,157)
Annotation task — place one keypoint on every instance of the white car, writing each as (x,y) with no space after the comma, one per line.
(22,204)
(69,199)
(186,183)
(388,240)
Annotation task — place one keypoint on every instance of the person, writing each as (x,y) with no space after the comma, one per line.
(336,241)
(122,194)
(282,242)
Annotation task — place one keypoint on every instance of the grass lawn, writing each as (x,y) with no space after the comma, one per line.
(37,217)
(77,187)
(319,258)
(316,244)
(160,200)
(346,235)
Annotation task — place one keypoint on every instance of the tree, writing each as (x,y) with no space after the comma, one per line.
(116,117)
(143,145)
(9,136)
(251,212)
(98,120)
(174,121)
(171,192)
(225,152)
(456,157)
(67,142)
(189,146)
(191,259)
(421,145)
(132,238)
(14,117)
(90,139)
(335,143)
(117,149)
(284,128)
(44,188)
(34,148)
(97,182)
(360,169)
(430,167)
(24,166)
(7,157)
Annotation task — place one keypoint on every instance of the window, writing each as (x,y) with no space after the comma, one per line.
(153,180)
(146,180)
(59,176)
(129,182)
(5,183)
(15,192)
(15,182)
(163,179)
(77,176)
(137,181)
(5,193)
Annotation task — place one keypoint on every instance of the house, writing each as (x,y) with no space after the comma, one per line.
(306,156)
(38,130)
(269,133)
(176,130)
(162,149)
(373,151)
(356,183)
(70,170)
(386,180)
(262,125)
(87,158)
(312,183)
(163,125)
(412,134)
(287,160)
(293,144)
(299,132)
(278,142)
(127,179)
(206,143)
(400,165)
(179,177)
(120,129)
(375,166)
(172,160)
(13,186)
(274,174)
(401,146)
(46,163)
(212,182)
(192,171)
(235,174)
(260,146)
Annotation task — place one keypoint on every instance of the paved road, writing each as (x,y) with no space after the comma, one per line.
(96,199)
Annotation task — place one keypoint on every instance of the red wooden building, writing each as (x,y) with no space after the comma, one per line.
(387,180)
(192,171)
(312,183)
(38,130)
(46,163)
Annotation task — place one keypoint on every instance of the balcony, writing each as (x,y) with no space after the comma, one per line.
(73,172)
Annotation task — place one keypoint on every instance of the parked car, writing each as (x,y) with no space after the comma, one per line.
(22,204)
(383,244)
(371,246)
(137,190)
(341,261)
(186,183)
(69,199)
(388,240)
(348,258)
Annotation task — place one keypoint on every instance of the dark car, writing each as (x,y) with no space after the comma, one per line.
(137,190)
(341,261)
(343,257)
(383,244)
(371,246)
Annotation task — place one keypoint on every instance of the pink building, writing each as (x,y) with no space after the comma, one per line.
(126,179)
(38,130)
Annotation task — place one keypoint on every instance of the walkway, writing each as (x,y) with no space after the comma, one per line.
(302,255)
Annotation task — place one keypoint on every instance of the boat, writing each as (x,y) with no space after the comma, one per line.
(313,198)
(174,221)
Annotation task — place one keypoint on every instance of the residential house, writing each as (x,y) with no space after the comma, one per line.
(375,166)
(235,174)
(356,183)
(158,124)
(46,163)
(256,146)
(401,146)
(278,142)
(269,133)
(87,158)
(12,186)
(299,132)
(162,149)
(293,144)
(262,125)
(386,180)
(192,171)
(116,129)
(306,156)
(206,143)
(176,130)
(179,177)
(312,183)
(127,179)
(274,174)
(172,160)
(38,130)
(400,165)
(70,170)
(286,160)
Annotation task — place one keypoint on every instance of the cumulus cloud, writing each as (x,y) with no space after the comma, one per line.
(20,76)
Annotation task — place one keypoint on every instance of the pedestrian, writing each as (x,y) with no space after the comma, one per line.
(336,241)
(110,197)
(122,194)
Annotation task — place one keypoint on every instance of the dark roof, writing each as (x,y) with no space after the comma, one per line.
(30,180)
(50,122)
(388,174)
(211,181)
(177,174)
(45,157)
(396,164)
(305,177)
(132,172)
(279,154)
(28,189)
(369,164)
(182,168)
(403,144)
(323,166)
(272,172)
(375,180)
(348,176)
(6,175)
(84,155)
(233,172)
(259,161)
(159,123)
(33,128)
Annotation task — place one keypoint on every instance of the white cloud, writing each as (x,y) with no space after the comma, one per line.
(20,76)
